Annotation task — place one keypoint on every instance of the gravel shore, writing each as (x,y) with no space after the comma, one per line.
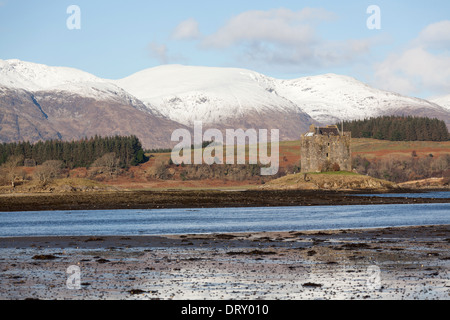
(391,263)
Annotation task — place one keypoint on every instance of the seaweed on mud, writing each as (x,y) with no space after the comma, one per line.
(225,236)
(94,239)
(136,291)
(350,246)
(312,285)
(102,261)
(253,252)
(44,257)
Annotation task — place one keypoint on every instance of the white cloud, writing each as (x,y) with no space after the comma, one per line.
(285,38)
(422,67)
(187,30)
(280,26)
(163,55)
(159,52)
(436,35)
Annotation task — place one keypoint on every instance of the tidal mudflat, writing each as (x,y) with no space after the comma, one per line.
(389,263)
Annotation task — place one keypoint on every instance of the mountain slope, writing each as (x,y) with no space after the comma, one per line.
(443,101)
(330,98)
(34,77)
(43,115)
(186,94)
(38,102)
(219,97)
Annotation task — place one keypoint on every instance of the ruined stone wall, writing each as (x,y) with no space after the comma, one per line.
(319,151)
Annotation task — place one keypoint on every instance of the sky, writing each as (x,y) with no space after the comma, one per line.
(400,46)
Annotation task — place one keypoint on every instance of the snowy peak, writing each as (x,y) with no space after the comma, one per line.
(329,98)
(178,79)
(213,95)
(16,74)
(443,101)
(32,76)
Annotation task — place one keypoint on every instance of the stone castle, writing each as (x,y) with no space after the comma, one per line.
(325,149)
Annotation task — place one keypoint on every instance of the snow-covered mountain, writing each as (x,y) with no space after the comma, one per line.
(215,95)
(219,97)
(38,102)
(212,95)
(329,98)
(155,101)
(443,101)
(34,77)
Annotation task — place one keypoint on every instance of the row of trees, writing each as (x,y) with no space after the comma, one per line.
(83,153)
(402,170)
(399,128)
(12,171)
(169,150)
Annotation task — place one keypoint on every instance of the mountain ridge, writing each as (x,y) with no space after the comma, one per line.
(443,101)
(42,102)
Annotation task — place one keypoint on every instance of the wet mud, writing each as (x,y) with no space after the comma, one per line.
(391,263)
(195,199)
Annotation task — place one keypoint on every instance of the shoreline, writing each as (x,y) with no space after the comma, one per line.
(412,263)
(201,199)
(137,240)
(12,241)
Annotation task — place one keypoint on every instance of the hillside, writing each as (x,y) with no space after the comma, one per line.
(382,158)
(331,98)
(219,97)
(143,176)
(38,102)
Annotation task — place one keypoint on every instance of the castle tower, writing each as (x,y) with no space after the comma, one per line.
(325,148)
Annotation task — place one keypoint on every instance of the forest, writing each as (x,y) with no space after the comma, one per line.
(74,154)
(399,128)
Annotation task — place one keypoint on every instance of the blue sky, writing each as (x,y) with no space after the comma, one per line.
(286,39)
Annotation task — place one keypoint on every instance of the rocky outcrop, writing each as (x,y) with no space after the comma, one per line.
(431,183)
(329,181)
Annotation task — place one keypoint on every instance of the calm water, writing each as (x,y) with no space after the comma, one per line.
(213,220)
(435,195)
